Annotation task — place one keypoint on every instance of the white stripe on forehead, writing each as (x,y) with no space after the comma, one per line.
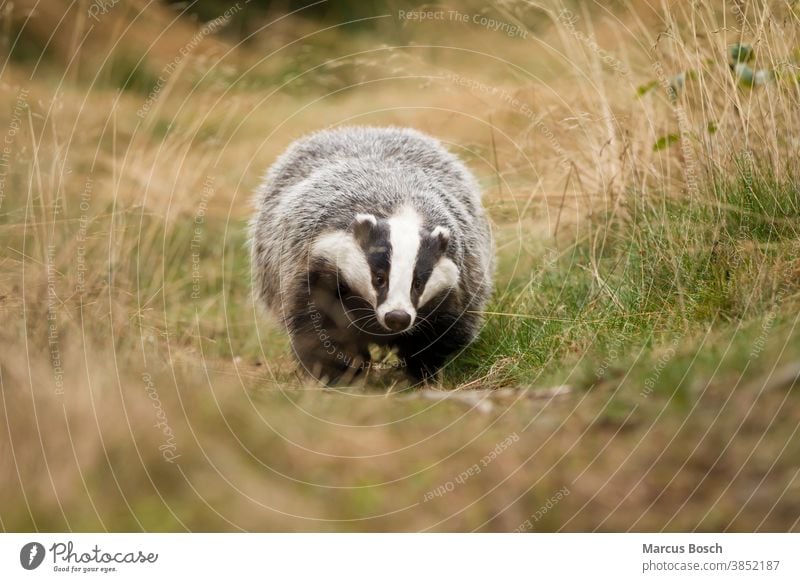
(444,276)
(404,235)
(341,250)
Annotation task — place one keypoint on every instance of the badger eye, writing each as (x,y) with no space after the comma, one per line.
(417,284)
(379,280)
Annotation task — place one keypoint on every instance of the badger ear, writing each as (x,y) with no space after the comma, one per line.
(442,235)
(363,225)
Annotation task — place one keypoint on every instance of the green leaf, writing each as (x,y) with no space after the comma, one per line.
(646,88)
(666,141)
(742,53)
(749,78)
(744,74)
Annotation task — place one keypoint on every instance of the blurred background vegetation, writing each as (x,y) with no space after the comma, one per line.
(639,165)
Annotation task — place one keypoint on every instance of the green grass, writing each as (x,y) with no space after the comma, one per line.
(128,72)
(666,268)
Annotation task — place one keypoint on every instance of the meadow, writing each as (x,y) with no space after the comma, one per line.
(639,365)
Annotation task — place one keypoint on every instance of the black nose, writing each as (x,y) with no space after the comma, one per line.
(397,320)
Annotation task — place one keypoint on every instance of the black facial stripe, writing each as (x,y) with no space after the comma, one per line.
(429,253)
(378,251)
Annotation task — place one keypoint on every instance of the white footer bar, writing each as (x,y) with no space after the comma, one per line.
(402,557)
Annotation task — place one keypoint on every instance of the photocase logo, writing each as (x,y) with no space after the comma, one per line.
(31,555)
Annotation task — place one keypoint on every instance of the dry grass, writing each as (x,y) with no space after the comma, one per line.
(661,284)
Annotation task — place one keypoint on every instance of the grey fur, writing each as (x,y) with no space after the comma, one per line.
(323,180)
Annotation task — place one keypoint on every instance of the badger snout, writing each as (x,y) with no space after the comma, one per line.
(397,320)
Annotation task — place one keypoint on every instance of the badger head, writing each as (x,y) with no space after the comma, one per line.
(395,263)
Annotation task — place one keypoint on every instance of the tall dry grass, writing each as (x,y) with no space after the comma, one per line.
(126,312)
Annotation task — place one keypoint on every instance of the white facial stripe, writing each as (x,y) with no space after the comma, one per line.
(404,235)
(342,250)
(444,276)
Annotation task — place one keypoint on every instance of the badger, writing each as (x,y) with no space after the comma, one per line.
(371,236)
